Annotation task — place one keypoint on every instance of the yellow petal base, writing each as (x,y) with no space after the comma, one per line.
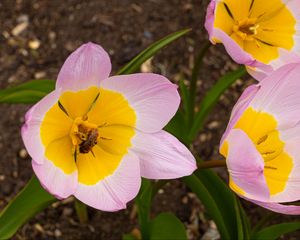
(89,131)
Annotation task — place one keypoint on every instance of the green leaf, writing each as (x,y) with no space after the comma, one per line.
(243,223)
(30,201)
(135,63)
(275,231)
(143,202)
(211,98)
(177,126)
(167,226)
(29,92)
(219,201)
(184,93)
(193,83)
(128,237)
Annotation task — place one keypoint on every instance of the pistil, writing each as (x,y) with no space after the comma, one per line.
(246,29)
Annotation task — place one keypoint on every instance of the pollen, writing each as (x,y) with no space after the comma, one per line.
(84,135)
(246,29)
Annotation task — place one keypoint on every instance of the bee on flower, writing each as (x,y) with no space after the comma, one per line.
(263,35)
(95,136)
(261,142)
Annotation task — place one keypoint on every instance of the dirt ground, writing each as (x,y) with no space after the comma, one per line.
(36,36)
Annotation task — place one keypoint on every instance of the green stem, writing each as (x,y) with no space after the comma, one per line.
(212,164)
(193,83)
(81,211)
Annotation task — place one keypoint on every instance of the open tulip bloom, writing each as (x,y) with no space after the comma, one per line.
(262,34)
(261,142)
(95,136)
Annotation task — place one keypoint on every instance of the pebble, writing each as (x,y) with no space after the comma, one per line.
(15,174)
(185,200)
(57,233)
(34,44)
(147,66)
(39,75)
(39,228)
(21,27)
(67,212)
(161,191)
(23,153)
(52,35)
(213,125)
(137,8)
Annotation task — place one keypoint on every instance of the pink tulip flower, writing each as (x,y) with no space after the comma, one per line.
(263,35)
(261,142)
(95,136)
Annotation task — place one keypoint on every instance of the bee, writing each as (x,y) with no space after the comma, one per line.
(90,141)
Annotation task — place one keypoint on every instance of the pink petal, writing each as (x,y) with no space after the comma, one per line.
(234,50)
(279,208)
(246,166)
(31,129)
(113,192)
(279,96)
(239,108)
(153,97)
(291,138)
(162,156)
(210,18)
(84,68)
(54,180)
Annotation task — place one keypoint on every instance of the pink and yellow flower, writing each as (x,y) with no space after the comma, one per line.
(95,136)
(263,35)
(261,142)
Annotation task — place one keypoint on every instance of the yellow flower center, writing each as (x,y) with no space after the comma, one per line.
(261,128)
(246,29)
(89,131)
(84,135)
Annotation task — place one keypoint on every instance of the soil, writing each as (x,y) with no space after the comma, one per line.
(36,37)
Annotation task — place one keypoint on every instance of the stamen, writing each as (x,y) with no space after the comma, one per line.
(62,108)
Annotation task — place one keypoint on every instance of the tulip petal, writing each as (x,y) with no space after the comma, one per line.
(210,17)
(54,180)
(113,192)
(153,97)
(162,156)
(234,50)
(31,129)
(291,190)
(279,208)
(246,166)
(238,109)
(279,96)
(84,68)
